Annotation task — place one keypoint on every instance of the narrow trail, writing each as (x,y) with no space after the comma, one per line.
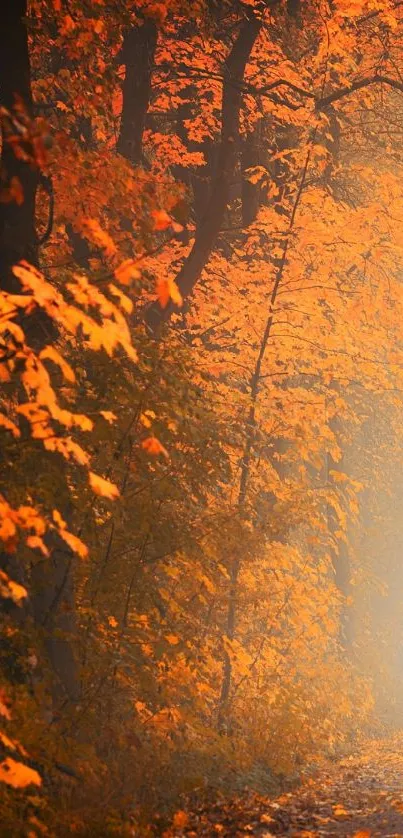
(361,796)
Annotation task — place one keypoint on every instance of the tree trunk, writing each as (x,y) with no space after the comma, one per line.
(17,220)
(18,240)
(138,56)
(211,224)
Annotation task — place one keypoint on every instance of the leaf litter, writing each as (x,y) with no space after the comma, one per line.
(360,796)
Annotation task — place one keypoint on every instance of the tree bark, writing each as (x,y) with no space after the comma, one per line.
(138,56)
(18,240)
(17,220)
(211,224)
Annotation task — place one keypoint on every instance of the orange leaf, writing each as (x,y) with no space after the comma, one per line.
(4,711)
(17,774)
(11,590)
(153,446)
(75,544)
(9,425)
(99,236)
(172,639)
(180,819)
(161,219)
(127,271)
(166,290)
(103,487)
(108,416)
(36,543)
(52,354)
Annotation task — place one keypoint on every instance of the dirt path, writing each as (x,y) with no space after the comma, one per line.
(361,796)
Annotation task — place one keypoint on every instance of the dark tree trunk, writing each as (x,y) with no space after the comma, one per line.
(211,224)
(138,56)
(17,220)
(18,240)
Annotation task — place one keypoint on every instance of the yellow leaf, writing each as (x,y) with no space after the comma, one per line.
(11,590)
(339,811)
(36,543)
(8,743)
(75,544)
(108,415)
(103,487)
(58,519)
(124,301)
(145,420)
(9,426)
(52,354)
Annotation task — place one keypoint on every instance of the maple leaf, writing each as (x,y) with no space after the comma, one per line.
(94,230)
(17,774)
(10,589)
(75,543)
(127,271)
(36,543)
(153,446)
(166,290)
(180,819)
(52,354)
(172,639)
(9,425)
(161,219)
(124,301)
(108,416)
(103,487)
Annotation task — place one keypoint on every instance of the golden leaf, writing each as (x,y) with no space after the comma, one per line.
(52,354)
(36,543)
(108,416)
(17,774)
(75,543)
(10,589)
(103,487)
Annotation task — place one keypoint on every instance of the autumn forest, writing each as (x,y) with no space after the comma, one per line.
(201,418)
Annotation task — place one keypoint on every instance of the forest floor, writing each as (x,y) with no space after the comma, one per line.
(360,796)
